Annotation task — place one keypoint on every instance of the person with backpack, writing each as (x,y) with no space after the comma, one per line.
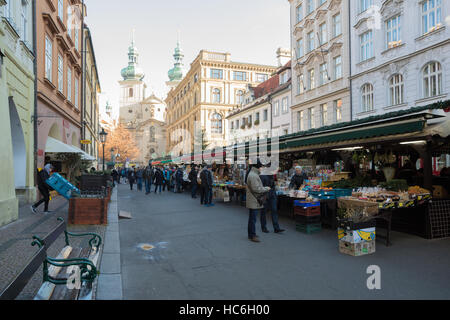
(179,180)
(44,188)
(148,178)
(193,178)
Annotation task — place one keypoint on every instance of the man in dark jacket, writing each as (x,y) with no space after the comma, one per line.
(131,177)
(297,179)
(207,182)
(44,188)
(158,179)
(268,180)
(179,180)
(194,184)
(148,178)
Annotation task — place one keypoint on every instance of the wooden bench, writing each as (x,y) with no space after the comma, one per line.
(81,264)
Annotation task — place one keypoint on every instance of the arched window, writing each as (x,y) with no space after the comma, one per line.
(239,97)
(216,95)
(152,134)
(432,80)
(367,97)
(396,90)
(216,123)
(130,94)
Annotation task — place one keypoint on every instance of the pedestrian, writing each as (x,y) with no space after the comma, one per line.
(44,188)
(179,180)
(193,178)
(158,179)
(148,178)
(114,175)
(166,175)
(124,175)
(254,203)
(139,177)
(131,177)
(209,190)
(268,180)
(203,185)
(297,179)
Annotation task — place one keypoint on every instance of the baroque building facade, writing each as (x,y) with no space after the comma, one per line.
(321,63)
(17,107)
(202,100)
(400,55)
(143,116)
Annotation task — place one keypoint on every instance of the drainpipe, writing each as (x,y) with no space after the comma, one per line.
(35,125)
(271,118)
(83,78)
(350,58)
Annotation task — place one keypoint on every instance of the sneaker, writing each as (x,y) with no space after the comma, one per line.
(33,209)
(255,239)
(266,231)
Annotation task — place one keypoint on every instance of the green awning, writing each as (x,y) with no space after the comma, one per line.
(361,133)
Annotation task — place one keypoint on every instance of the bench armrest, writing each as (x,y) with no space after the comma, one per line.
(88,271)
(94,242)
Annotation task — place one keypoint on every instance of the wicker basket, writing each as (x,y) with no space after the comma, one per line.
(357,210)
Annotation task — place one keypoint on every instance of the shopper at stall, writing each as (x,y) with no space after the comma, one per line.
(166,176)
(44,188)
(206,184)
(193,178)
(297,179)
(255,190)
(268,180)
(132,177)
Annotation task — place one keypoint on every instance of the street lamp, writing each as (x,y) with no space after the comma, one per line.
(103,135)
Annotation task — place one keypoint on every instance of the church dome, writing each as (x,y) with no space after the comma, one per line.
(132,71)
(176,73)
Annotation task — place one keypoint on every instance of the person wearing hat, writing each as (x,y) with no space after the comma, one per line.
(44,188)
(254,191)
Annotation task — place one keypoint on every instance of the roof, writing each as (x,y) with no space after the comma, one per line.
(267,86)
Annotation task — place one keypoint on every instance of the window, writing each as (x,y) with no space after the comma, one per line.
(396,90)
(276,108)
(69,20)
(216,74)
(76,38)
(261,77)
(24,20)
(239,76)
(432,80)
(323,33)
(239,97)
(310,41)
(237,124)
(69,84)
(300,52)
(300,13)
(195,78)
(130,93)
(257,117)
(393,29)
(310,6)
(367,97)
(249,120)
(300,83)
(311,119)
(364,5)
(323,114)
(337,62)
(323,74)
(60,73)
(321,2)
(311,81)
(431,15)
(338,110)
(61,10)
(232,125)
(337,25)
(265,115)
(216,95)
(366,45)
(76,92)
(284,77)
(300,120)
(48,58)
(284,105)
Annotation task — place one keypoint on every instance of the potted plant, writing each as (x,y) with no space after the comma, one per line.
(256,122)
(385,162)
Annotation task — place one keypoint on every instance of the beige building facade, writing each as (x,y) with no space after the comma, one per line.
(321,64)
(208,92)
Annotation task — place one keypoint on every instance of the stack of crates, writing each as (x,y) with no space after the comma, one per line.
(356,239)
(62,186)
(307,216)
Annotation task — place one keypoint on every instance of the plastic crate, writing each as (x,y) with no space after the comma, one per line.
(308,228)
(343,192)
(350,225)
(61,185)
(307,211)
(307,219)
(327,197)
(304,204)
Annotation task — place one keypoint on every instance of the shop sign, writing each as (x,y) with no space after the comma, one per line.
(85,141)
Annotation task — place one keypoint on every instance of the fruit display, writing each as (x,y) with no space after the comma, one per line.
(418,190)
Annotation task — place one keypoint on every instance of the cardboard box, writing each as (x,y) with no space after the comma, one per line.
(356,236)
(357,249)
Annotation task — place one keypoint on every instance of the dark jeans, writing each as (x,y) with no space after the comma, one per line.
(166,184)
(156,187)
(202,194)
(252,214)
(194,186)
(131,184)
(148,185)
(139,184)
(206,195)
(271,204)
(45,199)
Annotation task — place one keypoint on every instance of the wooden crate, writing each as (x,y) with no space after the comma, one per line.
(307,211)
(88,211)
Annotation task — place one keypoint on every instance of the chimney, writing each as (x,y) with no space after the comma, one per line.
(283,56)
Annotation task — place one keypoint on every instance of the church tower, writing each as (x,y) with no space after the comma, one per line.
(132,87)
(176,73)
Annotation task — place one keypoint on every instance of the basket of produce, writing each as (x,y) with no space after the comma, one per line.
(356,209)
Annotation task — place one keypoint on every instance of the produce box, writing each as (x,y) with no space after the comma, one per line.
(309,228)
(308,211)
(357,210)
(357,249)
(300,203)
(356,236)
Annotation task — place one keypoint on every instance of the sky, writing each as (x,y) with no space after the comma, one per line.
(251,30)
